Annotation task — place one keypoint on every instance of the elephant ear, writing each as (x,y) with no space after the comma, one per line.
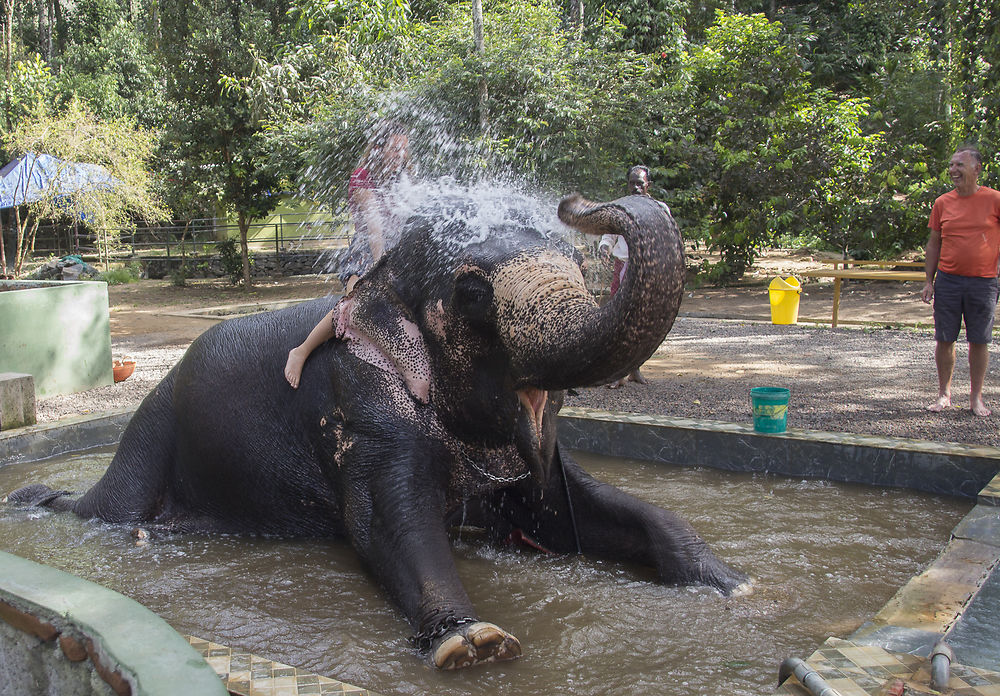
(380,330)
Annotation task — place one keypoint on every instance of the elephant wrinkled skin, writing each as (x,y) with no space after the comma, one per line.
(438,397)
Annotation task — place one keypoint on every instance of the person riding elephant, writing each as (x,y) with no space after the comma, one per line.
(438,394)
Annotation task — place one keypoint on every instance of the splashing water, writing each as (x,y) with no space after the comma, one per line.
(455,181)
(461,215)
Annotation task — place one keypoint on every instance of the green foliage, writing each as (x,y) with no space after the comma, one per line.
(121,275)
(115,75)
(757,153)
(822,121)
(89,20)
(213,142)
(560,113)
(369,21)
(28,93)
(844,43)
(120,147)
(649,26)
(231,259)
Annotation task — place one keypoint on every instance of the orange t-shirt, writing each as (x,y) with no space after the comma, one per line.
(970,232)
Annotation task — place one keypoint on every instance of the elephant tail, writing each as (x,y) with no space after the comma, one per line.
(38,495)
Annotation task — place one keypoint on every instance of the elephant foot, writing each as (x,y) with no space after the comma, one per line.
(474,644)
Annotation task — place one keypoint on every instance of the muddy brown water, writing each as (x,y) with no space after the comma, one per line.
(825,558)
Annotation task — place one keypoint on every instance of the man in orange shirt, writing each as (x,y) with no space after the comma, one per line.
(963,252)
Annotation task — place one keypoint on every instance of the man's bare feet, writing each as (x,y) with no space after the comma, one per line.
(293,367)
(636,376)
(943,402)
(979,407)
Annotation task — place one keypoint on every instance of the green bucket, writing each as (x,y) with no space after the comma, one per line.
(770,409)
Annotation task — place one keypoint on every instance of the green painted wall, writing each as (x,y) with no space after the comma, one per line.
(295,217)
(57,331)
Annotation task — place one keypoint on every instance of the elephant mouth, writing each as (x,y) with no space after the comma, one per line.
(534,400)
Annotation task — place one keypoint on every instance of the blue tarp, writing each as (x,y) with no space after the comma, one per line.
(32,177)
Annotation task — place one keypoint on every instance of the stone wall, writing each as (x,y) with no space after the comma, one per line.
(264,264)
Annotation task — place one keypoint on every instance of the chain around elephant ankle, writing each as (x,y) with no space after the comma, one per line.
(424,640)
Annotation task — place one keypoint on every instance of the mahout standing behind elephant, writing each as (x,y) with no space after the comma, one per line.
(437,397)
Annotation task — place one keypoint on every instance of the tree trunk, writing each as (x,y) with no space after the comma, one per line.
(60,28)
(3,252)
(576,17)
(244,224)
(220,230)
(50,23)
(18,236)
(8,39)
(25,238)
(480,47)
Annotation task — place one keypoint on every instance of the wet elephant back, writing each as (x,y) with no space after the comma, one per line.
(246,458)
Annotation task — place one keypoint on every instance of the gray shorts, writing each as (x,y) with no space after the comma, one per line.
(957,297)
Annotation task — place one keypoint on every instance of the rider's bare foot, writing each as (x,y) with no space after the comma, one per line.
(943,402)
(293,367)
(979,407)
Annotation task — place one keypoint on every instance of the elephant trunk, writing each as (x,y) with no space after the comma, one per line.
(574,342)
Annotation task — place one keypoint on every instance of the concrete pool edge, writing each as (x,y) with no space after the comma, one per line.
(60,631)
(932,467)
(943,468)
(55,438)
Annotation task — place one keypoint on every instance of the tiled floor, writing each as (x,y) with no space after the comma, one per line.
(249,675)
(863,670)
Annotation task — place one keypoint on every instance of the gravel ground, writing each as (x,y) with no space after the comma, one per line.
(152,363)
(871,381)
(874,381)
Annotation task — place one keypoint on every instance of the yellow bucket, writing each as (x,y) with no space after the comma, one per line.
(784,296)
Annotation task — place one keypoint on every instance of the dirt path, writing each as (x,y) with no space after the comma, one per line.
(151,312)
(875,377)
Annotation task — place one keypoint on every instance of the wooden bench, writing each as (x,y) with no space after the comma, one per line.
(880,264)
(840,274)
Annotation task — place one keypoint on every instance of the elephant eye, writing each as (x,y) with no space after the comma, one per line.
(473,296)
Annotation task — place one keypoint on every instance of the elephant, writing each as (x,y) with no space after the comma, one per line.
(436,402)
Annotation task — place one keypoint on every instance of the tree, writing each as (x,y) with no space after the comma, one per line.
(29,91)
(76,136)
(974,52)
(752,151)
(213,136)
(115,74)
